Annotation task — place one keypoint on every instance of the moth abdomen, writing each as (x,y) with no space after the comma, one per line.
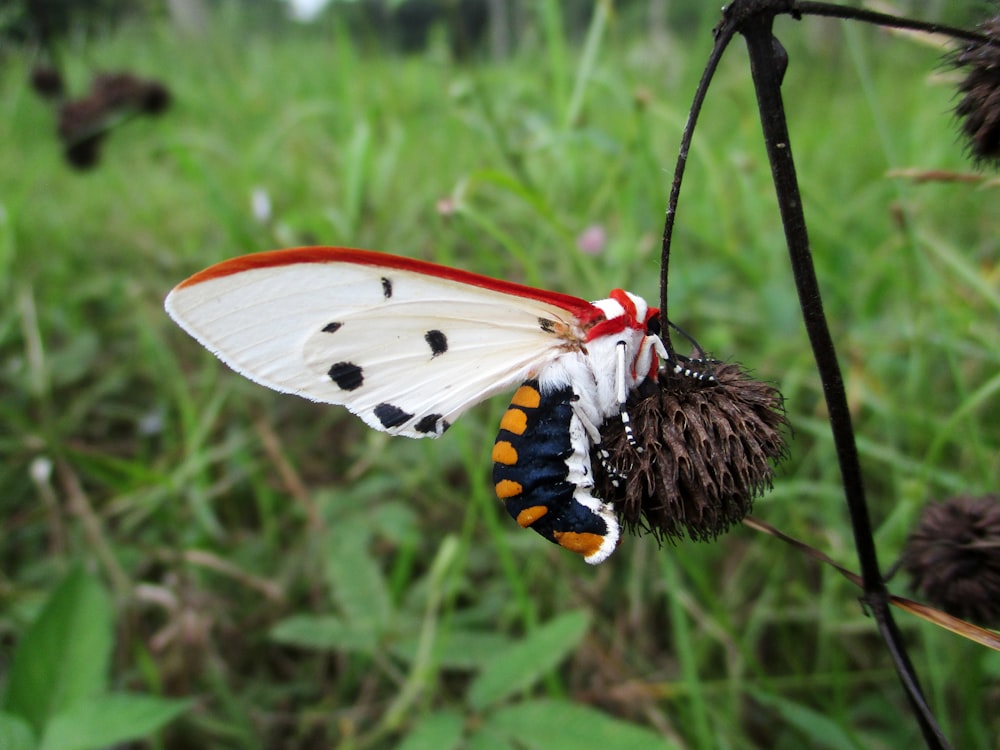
(541,472)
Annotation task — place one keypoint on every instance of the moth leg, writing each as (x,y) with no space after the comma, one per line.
(592,430)
(658,347)
(615,474)
(622,392)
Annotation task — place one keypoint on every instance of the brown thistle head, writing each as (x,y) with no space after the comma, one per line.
(953,557)
(978,109)
(705,449)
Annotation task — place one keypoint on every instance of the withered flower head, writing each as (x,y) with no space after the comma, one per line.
(47,82)
(113,99)
(118,89)
(155,98)
(979,108)
(86,152)
(122,94)
(953,557)
(83,125)
(704,450)
(80,118)
(124,91)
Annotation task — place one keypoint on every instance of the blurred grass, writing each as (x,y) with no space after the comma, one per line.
(238,510)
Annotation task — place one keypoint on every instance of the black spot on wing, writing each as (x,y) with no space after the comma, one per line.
(391,416)
(386,287)
(429,424)
(549,326)
(437,341)
(347,375)
(332,327)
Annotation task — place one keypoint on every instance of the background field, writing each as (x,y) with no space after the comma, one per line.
(309,583)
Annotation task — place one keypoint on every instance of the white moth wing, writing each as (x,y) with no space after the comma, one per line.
(407,351)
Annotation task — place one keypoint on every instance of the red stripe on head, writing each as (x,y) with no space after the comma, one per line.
(617,324)
(607,328)
(621,297)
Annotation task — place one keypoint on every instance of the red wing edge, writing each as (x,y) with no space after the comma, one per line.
(582,309)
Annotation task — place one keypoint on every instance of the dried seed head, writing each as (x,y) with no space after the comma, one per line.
(155,98)
(953,557)
(117,90)
(84,153)
(82,128)
(47,82)
(979,108)
(81,118)
(125,91)
(704,450)
(114,97)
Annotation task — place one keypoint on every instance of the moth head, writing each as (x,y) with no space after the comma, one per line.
(622,311)
(629,320)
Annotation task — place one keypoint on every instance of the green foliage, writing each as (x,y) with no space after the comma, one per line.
(56,691)
(514,669)
(308,583)
(63,658)
(371,626)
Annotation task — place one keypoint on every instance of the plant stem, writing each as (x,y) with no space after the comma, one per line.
(767,66)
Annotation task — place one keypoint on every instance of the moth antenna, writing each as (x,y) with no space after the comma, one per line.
(696,369)
(699,353)
(699,356)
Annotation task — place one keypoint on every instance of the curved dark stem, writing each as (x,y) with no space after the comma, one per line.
(723,36)
(883,19)
(767,63)
(905,670)
(754,19)
(733,16)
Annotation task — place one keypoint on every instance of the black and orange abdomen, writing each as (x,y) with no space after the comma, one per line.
(535,463)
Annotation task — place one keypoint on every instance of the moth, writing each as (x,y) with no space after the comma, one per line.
(409,346)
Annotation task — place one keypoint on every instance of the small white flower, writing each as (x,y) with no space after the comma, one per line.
(41,470)
(260,204)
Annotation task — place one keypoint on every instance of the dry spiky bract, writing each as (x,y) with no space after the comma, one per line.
(705,449)
(979,108)
(953,557)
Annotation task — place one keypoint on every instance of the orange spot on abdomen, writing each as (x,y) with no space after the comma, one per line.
(529,515)
(527,397)
(582,543)
(514,420)
(506,488)
(504,453)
